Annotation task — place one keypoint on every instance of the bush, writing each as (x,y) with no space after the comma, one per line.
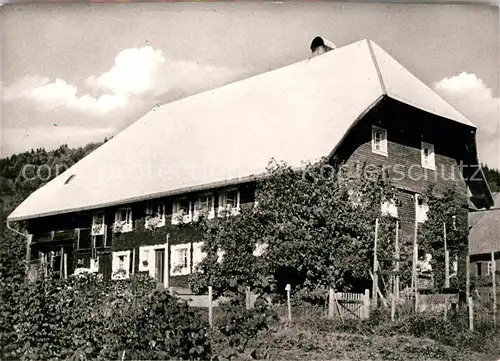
(237,328)
(86,317)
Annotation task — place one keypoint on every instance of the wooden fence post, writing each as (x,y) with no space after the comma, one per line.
(330,303)
(366,302)
(210,311)
(471,313)
(494,286)
(288,289)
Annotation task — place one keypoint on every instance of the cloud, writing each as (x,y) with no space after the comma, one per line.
(139,77)
(50,95)
(104,104)
(133,73)
(473,98)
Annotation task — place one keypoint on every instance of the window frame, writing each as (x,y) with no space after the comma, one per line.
(223,206)
(176,209)
(382,142)
(176,259)
(429,161)
(210,200)
(421,209)
(161,214)
(389,208)
(127,225)
(115,264)
(93,229)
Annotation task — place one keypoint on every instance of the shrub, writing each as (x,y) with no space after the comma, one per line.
(86,317)
(238,327)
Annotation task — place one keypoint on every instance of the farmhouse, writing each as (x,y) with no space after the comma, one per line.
(484,247)
(353,104)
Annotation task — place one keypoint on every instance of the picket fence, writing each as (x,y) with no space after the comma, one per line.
(341,305)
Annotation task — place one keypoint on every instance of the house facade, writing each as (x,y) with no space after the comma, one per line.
(129,206)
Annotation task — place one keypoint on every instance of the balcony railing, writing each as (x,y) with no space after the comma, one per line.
(54,236)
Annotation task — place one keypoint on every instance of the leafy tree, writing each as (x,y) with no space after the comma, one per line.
(316,226)
(451,210)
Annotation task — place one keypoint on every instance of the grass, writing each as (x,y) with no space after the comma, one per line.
(310,336)
(297,342)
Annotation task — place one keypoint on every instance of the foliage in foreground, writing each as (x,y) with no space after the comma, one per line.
(88,318)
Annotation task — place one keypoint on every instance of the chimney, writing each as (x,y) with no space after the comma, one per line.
(320,46)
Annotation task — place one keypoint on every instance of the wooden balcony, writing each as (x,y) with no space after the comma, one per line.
(55,236)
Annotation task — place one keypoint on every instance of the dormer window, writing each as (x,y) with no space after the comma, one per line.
(421,208)
(428,156)
(181,212)
(123,220)
(229,201)
(379,140)
(156,215)
(98,223)
(204,204)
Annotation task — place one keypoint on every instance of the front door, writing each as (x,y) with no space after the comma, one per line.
(159,265)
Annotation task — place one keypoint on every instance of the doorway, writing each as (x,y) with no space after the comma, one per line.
(160,265)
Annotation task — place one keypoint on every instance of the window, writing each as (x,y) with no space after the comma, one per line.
(181,259)
(156,215)
(390,208)
(379,140)
(123,220)
(205,203)
(421,208)
(428,156)
(479,271)
(120,265)
(98,223)
(181,211)
(229,201)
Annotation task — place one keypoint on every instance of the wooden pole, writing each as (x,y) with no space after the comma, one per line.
(467,276)
(338,307)
(494,286)
(288,289)
(366,303)
(384,302)
(133,260)
(471,313)
(330,303)
(61,263)
(396,282)
(375,268)
(166,277)
(446,271)
(65,265)
(210,311)
(414,265)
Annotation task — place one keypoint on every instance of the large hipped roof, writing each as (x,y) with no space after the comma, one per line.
(297,113)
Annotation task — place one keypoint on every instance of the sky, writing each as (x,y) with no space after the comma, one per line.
(77,73)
